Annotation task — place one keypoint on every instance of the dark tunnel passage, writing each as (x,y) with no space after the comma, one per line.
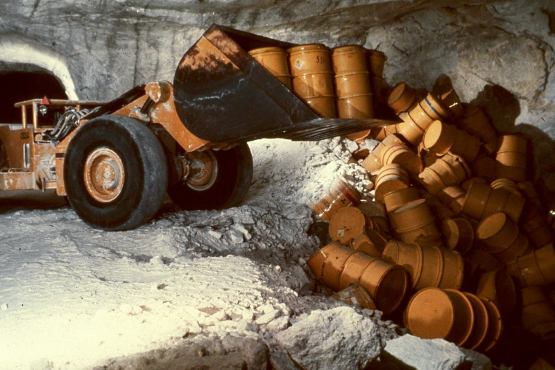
(18,86)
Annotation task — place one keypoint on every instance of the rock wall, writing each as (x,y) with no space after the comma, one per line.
(499,54)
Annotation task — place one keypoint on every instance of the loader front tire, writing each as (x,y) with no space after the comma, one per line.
(228,183)
(115,173)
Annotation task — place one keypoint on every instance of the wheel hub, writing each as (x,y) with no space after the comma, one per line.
(203,170)
(104,175)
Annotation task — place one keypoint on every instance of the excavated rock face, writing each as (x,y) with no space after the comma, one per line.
(498,54)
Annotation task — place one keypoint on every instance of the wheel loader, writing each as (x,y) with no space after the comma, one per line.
(116,161)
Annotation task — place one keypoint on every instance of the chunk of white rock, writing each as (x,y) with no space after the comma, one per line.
(267,317)
(339,338)
(424,354)
(278,324)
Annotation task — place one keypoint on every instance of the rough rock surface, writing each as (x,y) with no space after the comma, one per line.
(334,339)
(421,354)
(233,353)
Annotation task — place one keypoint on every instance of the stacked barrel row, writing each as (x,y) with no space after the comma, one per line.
(340,82)
(460,214)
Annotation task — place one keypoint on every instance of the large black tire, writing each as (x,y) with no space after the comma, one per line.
(140,158)
(230,187)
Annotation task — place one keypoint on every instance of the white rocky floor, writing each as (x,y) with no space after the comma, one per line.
(73,296)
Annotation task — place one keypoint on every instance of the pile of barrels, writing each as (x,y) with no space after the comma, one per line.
(341,82)
(455,209)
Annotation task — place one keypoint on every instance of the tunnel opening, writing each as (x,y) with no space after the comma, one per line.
(24,85)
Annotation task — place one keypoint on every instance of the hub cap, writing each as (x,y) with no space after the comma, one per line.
(104,175)
(203,170)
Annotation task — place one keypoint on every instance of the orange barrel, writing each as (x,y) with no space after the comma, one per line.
(536,268)
(458,233)
(446,171)
(409,129)
(355,106)
(538,313)
(398,198)
(451,101)
(352,85)
(413,220)
(453,269)
(274,59)
(312,77)
(501,237)
(466,184)
(476,123)
(484,167)
(376,62)
(380,133)
(346,224)
(495,326)
(441,138)
(317,260)
(426,265)
(419,116)
(341,195)
(386,283)
(511,158)
(373,162)
(498,286)
(453,197)
(349,59)
(481,322)
(370,242)
(401,98)
(434,107)
(535,226)
(377,87)
(409,256)
(354,267)
(497,232)
(481,201)
(482,260)
(334,265)
(476,198)
(440,313)
(529,190)
(402,155)
(506,202)
(506,185)
(391,177)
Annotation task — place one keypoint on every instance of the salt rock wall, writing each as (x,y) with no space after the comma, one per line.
(498,54)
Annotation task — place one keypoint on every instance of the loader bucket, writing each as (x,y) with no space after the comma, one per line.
(222,94)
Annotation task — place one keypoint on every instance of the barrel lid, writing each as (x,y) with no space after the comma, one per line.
(481,322)
(346,224)
(391,289)
(307,47)
(270,49)
(430,314)
(348,49)
(495,326)
(433,134)
(491,225)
